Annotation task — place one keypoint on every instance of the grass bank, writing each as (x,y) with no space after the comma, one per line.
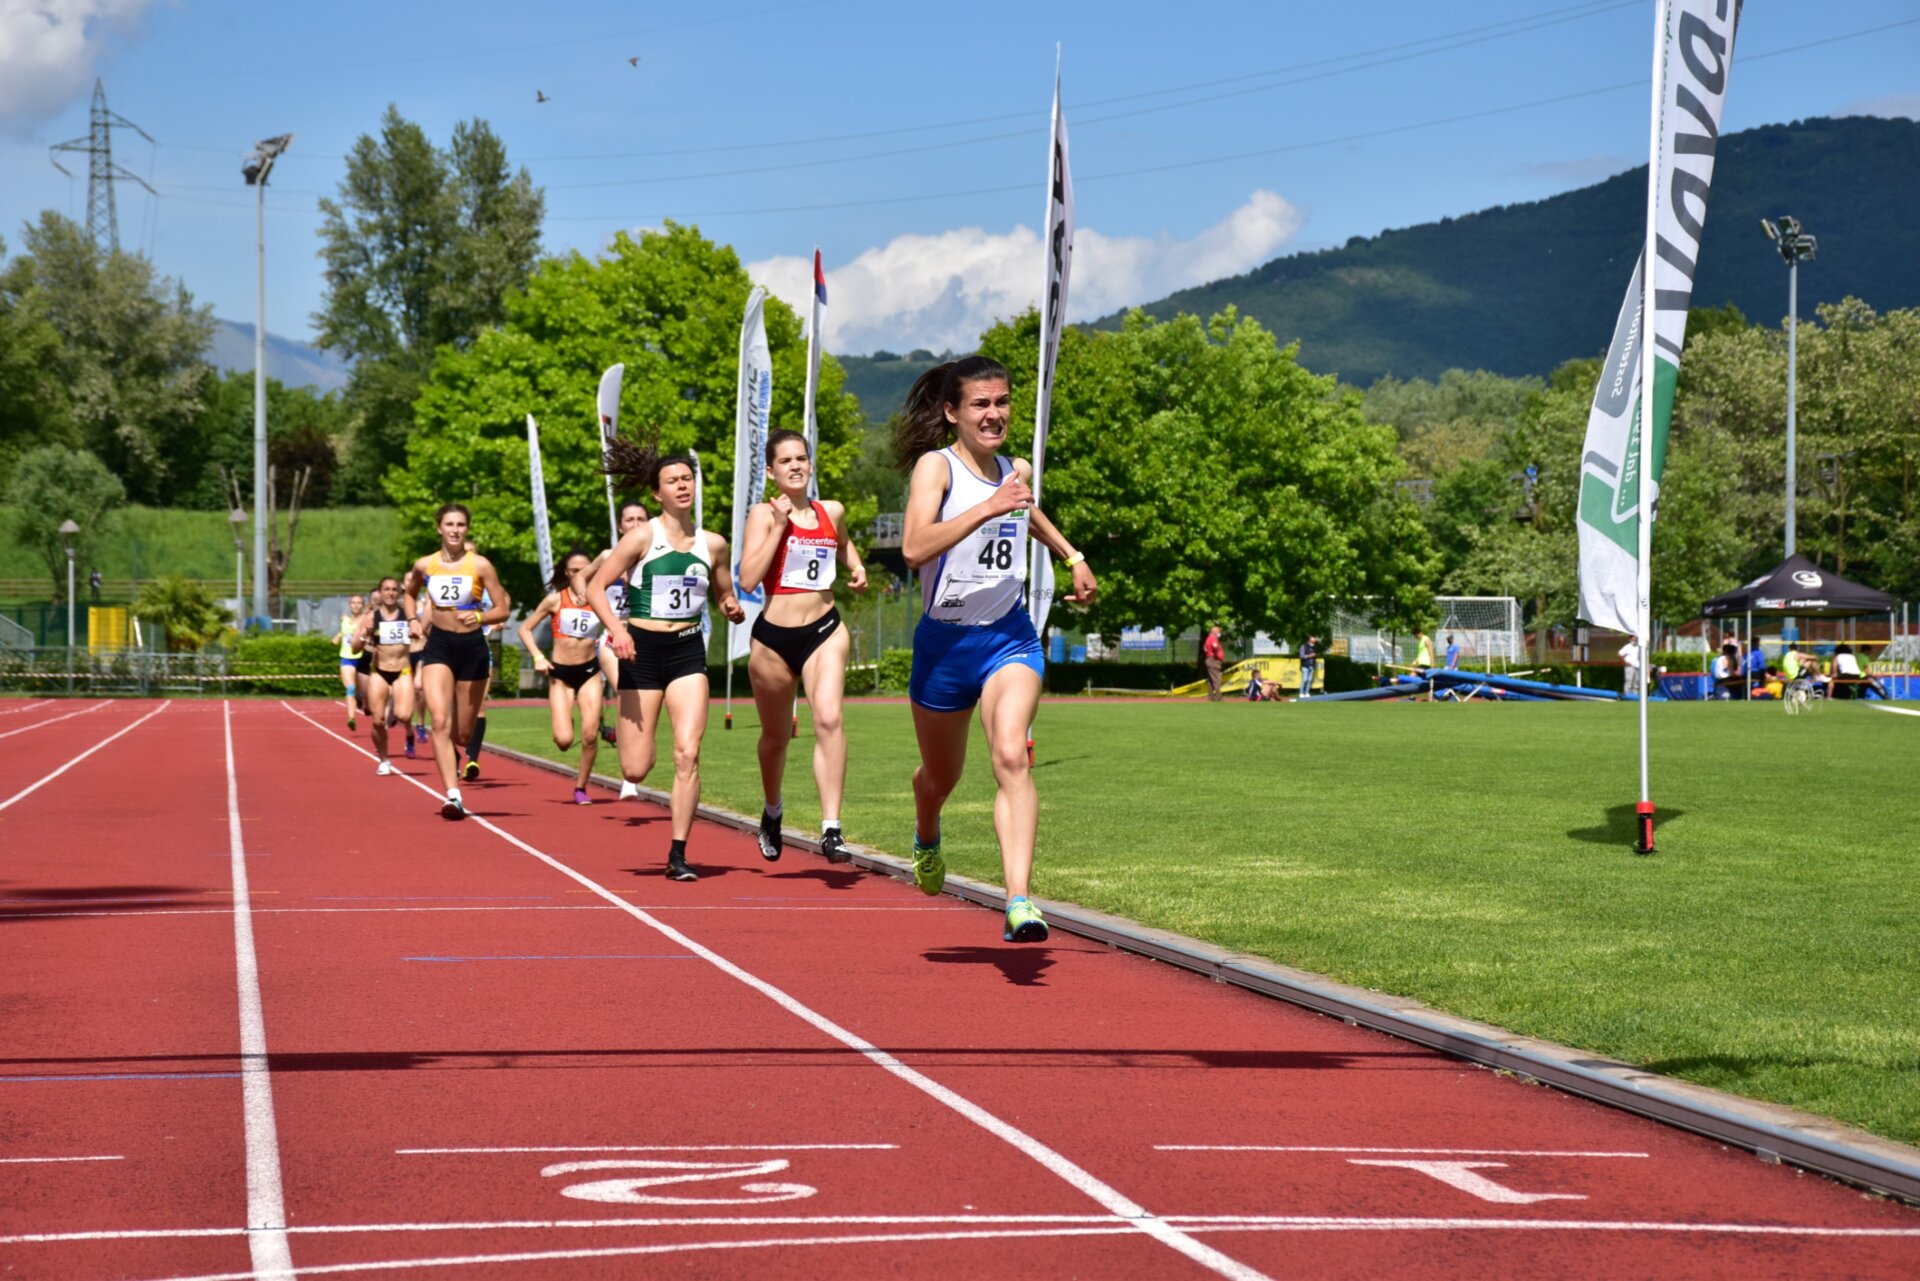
(1478,858)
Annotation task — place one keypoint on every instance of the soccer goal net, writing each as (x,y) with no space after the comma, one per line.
(1486,628)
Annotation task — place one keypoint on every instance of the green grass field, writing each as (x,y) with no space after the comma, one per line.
(333,544)
(1478,858)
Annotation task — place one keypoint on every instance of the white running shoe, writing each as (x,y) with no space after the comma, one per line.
(386,768)
(453,808)
(629,792)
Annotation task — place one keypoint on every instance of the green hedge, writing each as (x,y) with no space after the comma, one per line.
(272,656)
(1675,661)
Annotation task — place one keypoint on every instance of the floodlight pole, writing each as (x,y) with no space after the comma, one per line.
(67,530)
(1793,365)
(255,171)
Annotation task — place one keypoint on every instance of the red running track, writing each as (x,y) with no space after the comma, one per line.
(511,1048)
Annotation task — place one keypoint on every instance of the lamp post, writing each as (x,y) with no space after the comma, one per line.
(1796,247)
(255,171)
(238,519)
(67,530)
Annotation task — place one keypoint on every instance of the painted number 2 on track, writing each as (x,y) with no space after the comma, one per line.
(642,1188)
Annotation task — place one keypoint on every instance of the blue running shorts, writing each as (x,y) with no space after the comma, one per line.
(952,661)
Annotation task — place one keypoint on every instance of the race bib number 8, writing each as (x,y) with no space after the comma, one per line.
(677,596)
(808,568)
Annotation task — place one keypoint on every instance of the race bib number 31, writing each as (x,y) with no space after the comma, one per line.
(677,596)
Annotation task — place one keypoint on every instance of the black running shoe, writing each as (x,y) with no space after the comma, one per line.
(769,837)
(452,809)
(834,846)
(472,771)
(677,870)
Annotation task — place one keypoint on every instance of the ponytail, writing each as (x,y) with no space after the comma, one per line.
(921,426)
(633,465)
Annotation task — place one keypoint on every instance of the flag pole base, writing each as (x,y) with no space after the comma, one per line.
(1643,815)
(1029,753)
(728,724)
(796,726)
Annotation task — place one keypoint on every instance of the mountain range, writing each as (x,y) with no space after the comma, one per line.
(293,363)
(1517,289)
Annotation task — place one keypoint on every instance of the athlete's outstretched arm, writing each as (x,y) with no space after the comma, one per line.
(926,536)
(410,588)
(758,544)
(1085,588)
(623,556)
(548,604)
(723,581)
(490,583)
(849,554)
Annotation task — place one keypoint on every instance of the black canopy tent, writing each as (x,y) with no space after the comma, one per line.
(1798,588)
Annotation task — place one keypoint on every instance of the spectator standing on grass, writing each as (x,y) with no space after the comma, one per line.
(1453,654)
(1630,662)
(1422,652)
(1756,665)
(1309,660)
(93,581)
(1212,655)
(1726,670)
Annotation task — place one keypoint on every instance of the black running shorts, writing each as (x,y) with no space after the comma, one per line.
(573,675)
(465,652)
(796,644)
(661,658)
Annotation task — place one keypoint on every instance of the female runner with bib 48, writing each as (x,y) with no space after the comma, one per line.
(668,566)
(443,592)
(969,515)
(792,545)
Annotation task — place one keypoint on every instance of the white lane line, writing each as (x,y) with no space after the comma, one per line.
(30,789)
(53,721)
(26,913)
(1262,1147)
(668,1147)
(1081,1179)
(53,1160)
(15,711)
(767,1243)
(1897,711)
(266,1207)
(1195,1222)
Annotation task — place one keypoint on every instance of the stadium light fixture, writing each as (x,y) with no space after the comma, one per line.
(67,530)
(1796,246)
(256,170)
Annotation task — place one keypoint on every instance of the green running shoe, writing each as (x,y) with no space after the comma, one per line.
(929,869)
(1024,923)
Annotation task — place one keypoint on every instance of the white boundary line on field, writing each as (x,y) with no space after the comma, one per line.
(15,711)
(31,788)
(1137,1216)
(53,721)
(1268,1147)
(266,1206)
(1897,711)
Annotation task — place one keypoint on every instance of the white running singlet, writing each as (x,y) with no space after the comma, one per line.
(980,578)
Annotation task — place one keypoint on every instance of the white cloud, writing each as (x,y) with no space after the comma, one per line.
(1892,106)
(943,291)
(48,49)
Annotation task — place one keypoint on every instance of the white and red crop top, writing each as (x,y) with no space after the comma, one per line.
(806,558)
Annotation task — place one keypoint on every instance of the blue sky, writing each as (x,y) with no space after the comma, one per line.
(906,141)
